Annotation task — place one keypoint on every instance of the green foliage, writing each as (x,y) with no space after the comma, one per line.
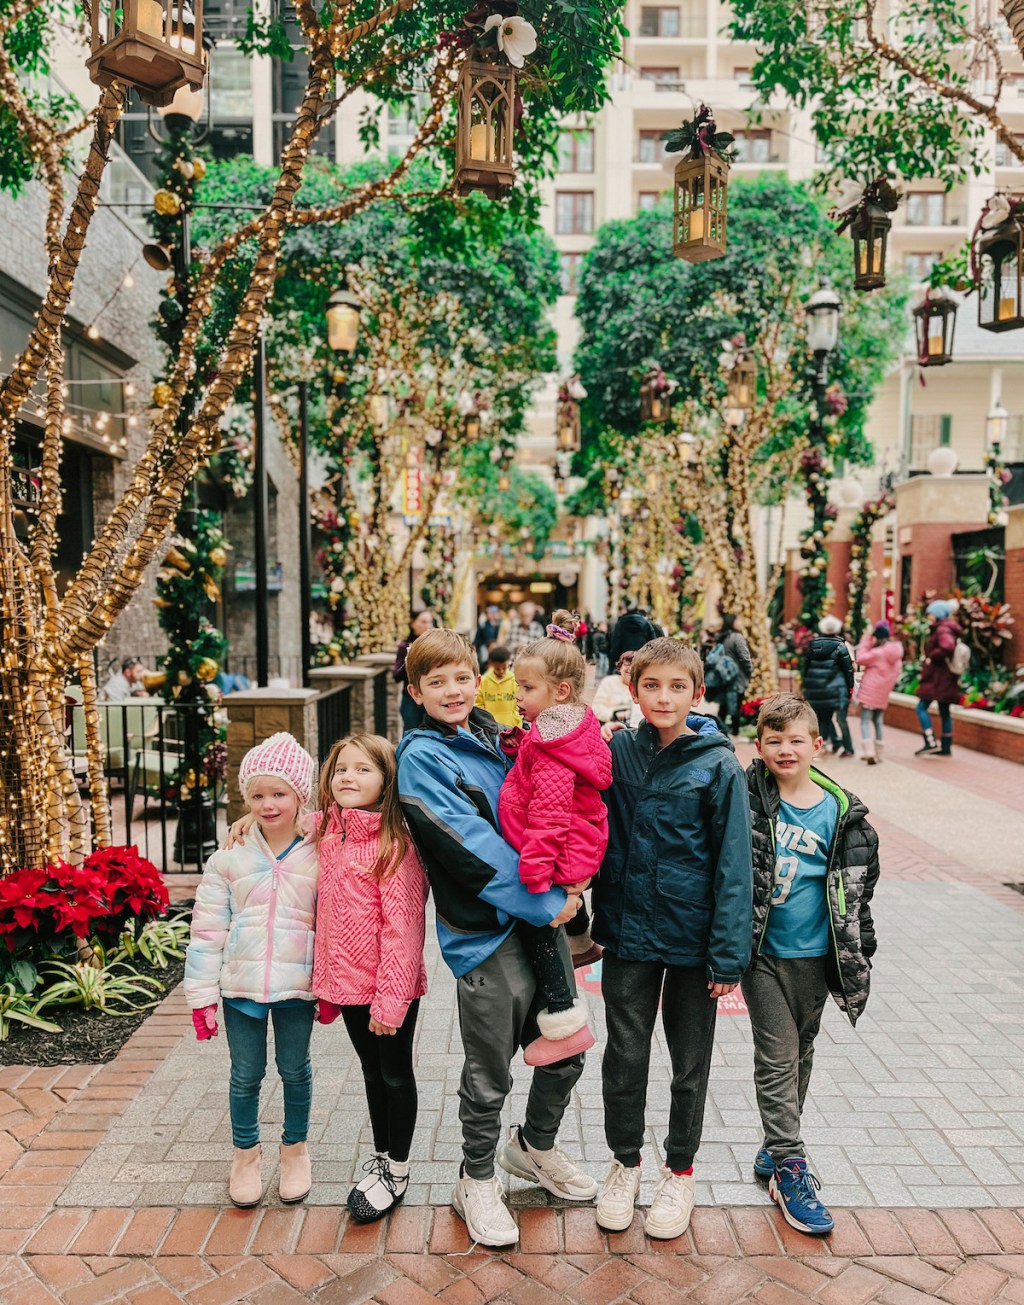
(23,1008)
(638,303)
(528,504)
(108,988)
(885,87)
(158,942)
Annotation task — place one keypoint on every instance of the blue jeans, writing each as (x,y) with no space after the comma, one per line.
(247,1042)
(945,716)
(871,717)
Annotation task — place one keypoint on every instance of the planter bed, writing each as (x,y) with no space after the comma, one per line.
(982,731)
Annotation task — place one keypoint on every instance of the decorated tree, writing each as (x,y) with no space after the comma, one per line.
(644,314)
(860,572)
(404,50)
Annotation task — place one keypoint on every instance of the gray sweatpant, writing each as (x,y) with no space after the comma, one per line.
(786,999)
(498,1004)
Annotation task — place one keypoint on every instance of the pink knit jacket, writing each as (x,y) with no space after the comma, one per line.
(368,947)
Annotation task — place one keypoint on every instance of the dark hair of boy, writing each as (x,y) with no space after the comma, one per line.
(783,709)
(499,655)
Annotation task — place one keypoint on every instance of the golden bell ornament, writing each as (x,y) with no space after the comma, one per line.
(211,588)
(198,169)
(166,203)
(206,670)
(154,680)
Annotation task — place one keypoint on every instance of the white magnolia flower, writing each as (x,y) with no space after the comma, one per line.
(998,212)
(850,193)
(466,404)
(516,37)
(433,437)
(496,454)
(577,390)
(486,417)
(337,585)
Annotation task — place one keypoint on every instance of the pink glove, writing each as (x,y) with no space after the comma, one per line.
(204,1021)
(326,1011)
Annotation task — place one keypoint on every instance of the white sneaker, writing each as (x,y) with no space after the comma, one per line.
(674,1199)
(553,1169)
(618,1197)
(481,1203)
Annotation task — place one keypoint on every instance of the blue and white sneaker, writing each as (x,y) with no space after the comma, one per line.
(764,1165)
(793,1188)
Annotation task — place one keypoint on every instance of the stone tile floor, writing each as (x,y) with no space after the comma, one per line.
(111,1177)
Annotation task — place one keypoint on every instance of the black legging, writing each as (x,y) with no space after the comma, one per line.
(389,1078)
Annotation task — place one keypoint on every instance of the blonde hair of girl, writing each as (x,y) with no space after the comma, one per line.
(557,653)
(394,838)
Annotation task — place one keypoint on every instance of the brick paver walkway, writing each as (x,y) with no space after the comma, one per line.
(919,1107)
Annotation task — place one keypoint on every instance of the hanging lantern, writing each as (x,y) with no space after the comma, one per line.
(742,384)
(1000,254)
(343,321)
(142,43)
(568,429)
(485,97)
(870,232)
(655,397)
(935,323)
(504,483)
(701,187)
(471,426)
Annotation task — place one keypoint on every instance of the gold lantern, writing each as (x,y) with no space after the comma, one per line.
(1000,258)
(699,214)
(568,428)
(742,385)
(485,96)
(935,323)
(152,45)
(655,397)
(343,321)
(870,232)
(471,426)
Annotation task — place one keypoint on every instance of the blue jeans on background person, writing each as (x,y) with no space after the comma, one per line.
(945,716)
(247,1042)
(871,718)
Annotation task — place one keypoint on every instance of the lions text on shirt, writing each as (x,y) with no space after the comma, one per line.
(798,914)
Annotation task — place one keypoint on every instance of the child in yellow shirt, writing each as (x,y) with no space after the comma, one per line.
(498,688)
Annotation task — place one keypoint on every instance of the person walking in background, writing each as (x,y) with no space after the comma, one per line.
(368,950)
(629,633)
(523,628)
(252,945)
(487,632)
(828,683)
(599,650)
(498,689)
(734,644)
(940,682)
(613,700)
(881,658)
(407,709)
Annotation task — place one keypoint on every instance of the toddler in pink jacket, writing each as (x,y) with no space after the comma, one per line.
(368,950)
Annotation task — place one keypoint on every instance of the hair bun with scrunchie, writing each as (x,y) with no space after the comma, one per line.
(559,632)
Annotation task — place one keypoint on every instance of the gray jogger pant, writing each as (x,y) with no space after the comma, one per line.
(632,991)
(498,1003)
(786,999)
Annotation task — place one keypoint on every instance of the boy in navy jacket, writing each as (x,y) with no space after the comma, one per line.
(450,770)
(672,908)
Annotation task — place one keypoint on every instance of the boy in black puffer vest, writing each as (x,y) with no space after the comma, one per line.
(815,870)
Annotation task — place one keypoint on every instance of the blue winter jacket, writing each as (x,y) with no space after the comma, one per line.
(676,883)
(448,783)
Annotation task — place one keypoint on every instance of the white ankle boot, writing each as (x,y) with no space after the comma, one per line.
(296,1173)
(245,1186)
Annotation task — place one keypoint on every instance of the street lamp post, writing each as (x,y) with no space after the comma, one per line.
(822,324)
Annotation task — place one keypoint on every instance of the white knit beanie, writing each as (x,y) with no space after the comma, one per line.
(830,625)
(282,757)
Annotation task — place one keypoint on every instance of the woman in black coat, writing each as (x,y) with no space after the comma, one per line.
(409,711)
(828,683)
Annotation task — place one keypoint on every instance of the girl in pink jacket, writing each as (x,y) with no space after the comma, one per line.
(552,812)
(368,950)
(881,657)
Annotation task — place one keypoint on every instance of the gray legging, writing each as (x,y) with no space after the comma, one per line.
(871,716)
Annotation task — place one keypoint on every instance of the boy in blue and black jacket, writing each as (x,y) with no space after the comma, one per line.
(450,771)
(672,908)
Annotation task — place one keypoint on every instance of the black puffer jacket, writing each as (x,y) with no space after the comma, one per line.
(828,671)
(629,633)
(850,883)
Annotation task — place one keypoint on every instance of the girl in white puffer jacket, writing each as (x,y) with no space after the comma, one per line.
(252,944)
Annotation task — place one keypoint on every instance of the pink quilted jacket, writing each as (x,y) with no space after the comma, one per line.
(368,947)
(882,664)
(550,805)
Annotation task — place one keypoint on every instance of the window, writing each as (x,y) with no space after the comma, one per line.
(666,77)
(571,264)
(647,199)
(928,432)
(650,147)
(659,21)
(576,151)
(574,213)
(742,75)
(1006,159)
(753,147)
(918,266)
(926,208)
(230,87)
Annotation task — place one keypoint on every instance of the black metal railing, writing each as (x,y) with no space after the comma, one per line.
(148,749)
(382,687)
(333,718)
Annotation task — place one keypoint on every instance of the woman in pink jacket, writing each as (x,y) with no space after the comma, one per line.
(552,812)
(881,658)
(368,950)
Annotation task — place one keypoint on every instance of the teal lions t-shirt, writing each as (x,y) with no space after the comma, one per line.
(798,916)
